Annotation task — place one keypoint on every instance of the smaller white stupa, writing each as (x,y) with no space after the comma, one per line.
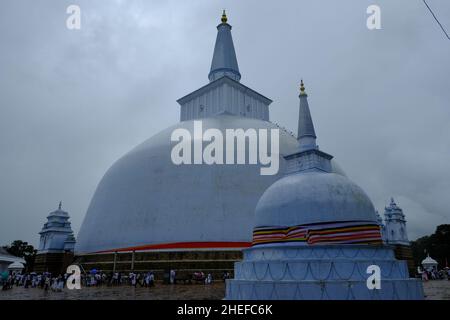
(6,259)
(429,263)
(16,267)
(316,236)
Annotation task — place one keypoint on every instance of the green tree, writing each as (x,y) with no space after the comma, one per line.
(23,250)
(436,245)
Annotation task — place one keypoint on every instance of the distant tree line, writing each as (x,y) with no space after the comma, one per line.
(436,245)
(23,250)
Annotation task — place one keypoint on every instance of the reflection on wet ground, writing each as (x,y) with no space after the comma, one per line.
(437,290)
(160,291)
(434,290)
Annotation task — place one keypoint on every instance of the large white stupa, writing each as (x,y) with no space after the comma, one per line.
(146,202)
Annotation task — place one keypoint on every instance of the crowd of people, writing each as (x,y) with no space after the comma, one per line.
(434,274)
(118,278)
(43,281)
(96,278)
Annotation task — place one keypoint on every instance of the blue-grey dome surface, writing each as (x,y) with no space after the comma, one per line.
(313,197)
(145,199)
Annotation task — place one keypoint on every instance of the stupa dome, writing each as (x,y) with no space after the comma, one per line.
(146,202)
(16,266)
(429,261)
(144,199)
(313,197)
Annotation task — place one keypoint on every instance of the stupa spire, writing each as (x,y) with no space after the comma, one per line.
(224,62)
(306,133)
(224,17)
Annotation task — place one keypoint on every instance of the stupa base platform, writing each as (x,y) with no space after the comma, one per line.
(395,289)
(322,272)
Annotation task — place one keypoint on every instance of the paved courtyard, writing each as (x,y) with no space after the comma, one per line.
(437,290)
(160,291)
(434,290)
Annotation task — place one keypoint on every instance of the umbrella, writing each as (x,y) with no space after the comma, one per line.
(93,271)
(5,275)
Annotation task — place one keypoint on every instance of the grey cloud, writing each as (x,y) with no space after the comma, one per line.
(72,102)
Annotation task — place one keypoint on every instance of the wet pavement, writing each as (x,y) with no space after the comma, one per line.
(160,291)
(437,290)
(434,290)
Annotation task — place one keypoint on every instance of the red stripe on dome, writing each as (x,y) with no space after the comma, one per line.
(183,245)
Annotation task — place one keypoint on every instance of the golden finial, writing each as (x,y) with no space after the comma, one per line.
(302,88)
(224,17)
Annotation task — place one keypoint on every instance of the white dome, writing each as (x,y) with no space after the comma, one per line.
(145,199)
(429,261)
(16,265)
(313,197)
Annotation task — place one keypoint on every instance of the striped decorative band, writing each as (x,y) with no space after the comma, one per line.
(343,232)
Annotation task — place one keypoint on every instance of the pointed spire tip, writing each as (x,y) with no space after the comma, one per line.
(224,62)
(224,18)
(302,88)
(306,133)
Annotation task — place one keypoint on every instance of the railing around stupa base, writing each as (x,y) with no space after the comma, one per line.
(186,258)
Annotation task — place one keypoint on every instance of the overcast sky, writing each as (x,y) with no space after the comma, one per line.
(73,101)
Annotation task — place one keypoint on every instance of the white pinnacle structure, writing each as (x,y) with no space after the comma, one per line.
(56,234)
(395,225)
